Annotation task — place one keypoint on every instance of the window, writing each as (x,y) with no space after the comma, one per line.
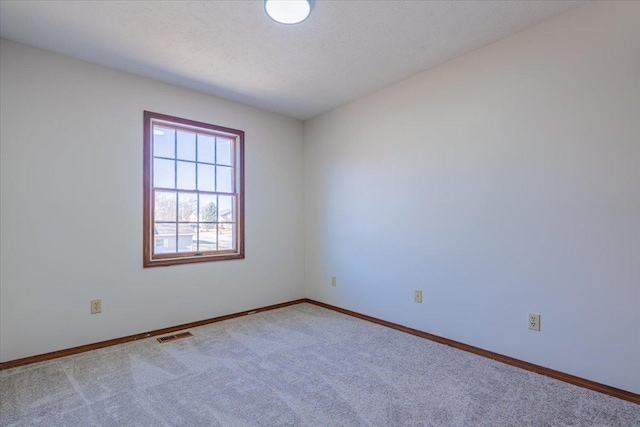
(193,191)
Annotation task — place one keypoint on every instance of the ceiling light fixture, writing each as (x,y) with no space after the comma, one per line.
(288,11)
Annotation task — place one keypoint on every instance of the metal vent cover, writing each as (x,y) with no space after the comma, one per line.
(168,338)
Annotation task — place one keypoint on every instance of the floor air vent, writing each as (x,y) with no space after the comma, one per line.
(174,337)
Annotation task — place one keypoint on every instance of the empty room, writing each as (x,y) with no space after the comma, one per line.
(320,213)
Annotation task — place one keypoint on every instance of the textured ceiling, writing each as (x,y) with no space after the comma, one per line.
(346,49)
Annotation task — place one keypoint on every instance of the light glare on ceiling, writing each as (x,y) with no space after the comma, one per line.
(288,11)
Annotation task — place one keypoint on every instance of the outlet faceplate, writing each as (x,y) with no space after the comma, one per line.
(96,306)
(534,321)
(418,296)
(334,281)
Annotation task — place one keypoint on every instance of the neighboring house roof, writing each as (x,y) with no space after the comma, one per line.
(226,215)
(170,230)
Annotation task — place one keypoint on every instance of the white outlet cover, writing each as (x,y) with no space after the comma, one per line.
(96,306)
(418,296)
(534,321)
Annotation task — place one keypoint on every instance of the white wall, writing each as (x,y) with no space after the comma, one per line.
(503,182)
(71,197)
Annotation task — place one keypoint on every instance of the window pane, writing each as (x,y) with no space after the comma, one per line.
(225,209)
(186,176)
(164,173)
(206,177)
(165,206)
(163,142)
(187,207)
(208,237)
(187,237)
(206,149)
(223,147)
(164,238)
(226,236)
(208,208)
(186,145)
(224,179)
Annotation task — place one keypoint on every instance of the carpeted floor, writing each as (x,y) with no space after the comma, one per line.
(300,365)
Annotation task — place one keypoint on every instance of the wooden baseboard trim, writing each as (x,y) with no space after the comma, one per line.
(83,348)
(571,379)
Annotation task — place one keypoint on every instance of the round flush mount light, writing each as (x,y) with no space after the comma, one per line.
(288,11)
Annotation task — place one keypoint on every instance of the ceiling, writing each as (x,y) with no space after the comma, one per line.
(344,50)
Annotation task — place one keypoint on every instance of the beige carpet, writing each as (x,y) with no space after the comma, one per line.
(301,366)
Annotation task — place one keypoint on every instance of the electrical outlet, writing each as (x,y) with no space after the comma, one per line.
(534,321)
(96,306)
(418,296)
(334,281)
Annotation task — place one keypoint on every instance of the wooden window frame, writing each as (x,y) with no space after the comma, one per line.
(155,260)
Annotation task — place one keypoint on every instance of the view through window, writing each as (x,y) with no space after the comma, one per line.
(193,191)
